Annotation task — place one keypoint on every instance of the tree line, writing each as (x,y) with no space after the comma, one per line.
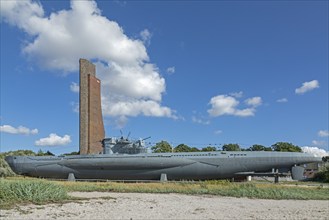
(164,146)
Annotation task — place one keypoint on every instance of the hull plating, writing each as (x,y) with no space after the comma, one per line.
(177,166)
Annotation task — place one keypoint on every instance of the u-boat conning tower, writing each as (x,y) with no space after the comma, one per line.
(123,145)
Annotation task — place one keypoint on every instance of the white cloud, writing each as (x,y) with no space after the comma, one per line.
(254,102)
(319,143)
(315,151)
(245,112)
(121,121)
(122,96)
(200,121)
(134,108)
(282,100)
(236,94)
(19,130)
(75,107)
(146,36)
(53,140)
(171,70)
(222,104)
(131,85)
(218,132)
(82,29)
(307,86)
(323,133)
(227,105)
(74,87)
(138,82)
(24,14)
(120,2)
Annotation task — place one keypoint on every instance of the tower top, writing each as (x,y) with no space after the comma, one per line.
(87,67)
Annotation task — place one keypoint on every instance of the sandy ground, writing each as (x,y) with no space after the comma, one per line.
(170,206)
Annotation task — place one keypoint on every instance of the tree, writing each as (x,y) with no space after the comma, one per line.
(194,149)
(41,153)
(258,147)
(209,148)
(323,174)
(286,147)
(183,148)
(72,153)
(231,147)
(49,153)
(162,147)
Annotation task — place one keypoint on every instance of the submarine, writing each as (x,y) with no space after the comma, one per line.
(123,159)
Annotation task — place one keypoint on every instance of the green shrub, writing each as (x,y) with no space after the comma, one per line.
(5,170)
(323,175)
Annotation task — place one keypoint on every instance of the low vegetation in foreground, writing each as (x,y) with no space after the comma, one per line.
(222,188)
(20,191)
(38,191)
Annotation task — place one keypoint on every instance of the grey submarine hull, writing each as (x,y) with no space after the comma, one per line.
(150,166)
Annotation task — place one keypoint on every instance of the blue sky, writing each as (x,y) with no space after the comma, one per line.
(193,72)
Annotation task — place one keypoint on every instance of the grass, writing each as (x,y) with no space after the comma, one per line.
(19,191)
(30,191)
(222,188)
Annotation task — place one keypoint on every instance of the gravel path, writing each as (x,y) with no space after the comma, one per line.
(170,206)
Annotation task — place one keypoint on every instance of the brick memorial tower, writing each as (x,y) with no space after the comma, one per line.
(91,120)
